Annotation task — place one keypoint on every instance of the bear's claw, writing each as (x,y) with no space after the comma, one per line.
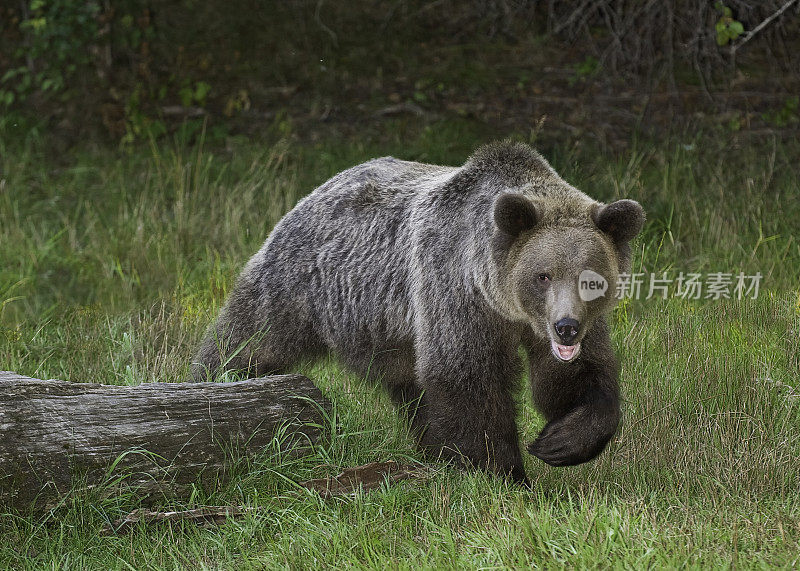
(561,443)
(552,453)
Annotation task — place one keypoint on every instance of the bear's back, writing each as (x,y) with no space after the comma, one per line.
(380,182)
(346,248)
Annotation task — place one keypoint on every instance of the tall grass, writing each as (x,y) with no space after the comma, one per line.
(132,252)
(111,266)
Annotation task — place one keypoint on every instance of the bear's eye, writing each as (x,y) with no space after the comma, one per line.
(544,278)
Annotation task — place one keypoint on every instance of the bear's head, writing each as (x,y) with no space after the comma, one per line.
(562,261)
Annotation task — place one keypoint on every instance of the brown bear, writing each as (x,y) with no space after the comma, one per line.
(429,279)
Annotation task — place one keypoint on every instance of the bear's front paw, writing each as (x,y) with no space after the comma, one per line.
(565,442)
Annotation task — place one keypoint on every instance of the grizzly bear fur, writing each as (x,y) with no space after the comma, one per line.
(429,279)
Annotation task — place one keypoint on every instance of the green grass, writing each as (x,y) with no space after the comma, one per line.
(112,264)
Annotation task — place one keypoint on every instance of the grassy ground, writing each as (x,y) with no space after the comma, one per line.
(112,264)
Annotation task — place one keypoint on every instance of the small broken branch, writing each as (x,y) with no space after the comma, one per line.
(205,517)
(367,477)
(749,35)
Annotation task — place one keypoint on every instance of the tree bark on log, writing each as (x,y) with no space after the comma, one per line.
(56,435)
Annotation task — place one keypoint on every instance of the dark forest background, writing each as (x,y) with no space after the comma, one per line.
(597,70)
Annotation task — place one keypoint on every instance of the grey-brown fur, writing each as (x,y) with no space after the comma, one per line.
(427,278)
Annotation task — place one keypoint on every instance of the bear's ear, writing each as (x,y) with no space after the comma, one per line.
(622,220)
(513,214)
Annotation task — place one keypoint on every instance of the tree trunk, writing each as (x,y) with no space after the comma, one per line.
(56,435)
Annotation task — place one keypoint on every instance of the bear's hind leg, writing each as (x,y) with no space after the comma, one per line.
(261,353)
(256,337)
(409,400)
(394,369)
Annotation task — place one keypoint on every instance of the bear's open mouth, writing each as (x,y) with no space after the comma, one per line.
(565,352)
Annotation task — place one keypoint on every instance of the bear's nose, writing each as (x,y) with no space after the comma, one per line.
(567,329)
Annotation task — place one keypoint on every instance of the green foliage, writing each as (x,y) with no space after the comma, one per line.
(138,124)
(786,115)
(197,94)
(589,67)
(66,40)
(727,28)
(57,35)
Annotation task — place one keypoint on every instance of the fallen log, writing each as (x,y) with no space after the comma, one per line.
(56,435)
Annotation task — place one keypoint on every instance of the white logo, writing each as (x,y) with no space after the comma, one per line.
(591,285)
